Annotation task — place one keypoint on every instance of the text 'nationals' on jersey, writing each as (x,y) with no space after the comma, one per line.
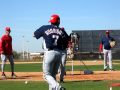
(50,31)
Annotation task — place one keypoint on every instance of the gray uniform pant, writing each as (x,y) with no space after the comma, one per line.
(107,58)
(51,63)
(4,59)
(62,65)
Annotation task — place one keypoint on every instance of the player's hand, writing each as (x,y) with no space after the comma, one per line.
(100,55)
(2,52)
(101,51)
(33,35)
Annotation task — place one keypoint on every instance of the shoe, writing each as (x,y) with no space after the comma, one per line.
(14,76)
(111,70)
(105,69)
(62,88)
(3,76)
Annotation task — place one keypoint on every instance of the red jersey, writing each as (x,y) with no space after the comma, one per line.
(6,44)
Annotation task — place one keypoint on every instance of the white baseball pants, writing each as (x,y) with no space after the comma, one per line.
(107,59)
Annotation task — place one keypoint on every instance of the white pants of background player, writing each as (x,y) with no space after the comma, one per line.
(107,58)
(62,64)
(4,59)
(51,63)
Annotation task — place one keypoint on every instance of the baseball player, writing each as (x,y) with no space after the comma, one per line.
(75,41)
(53,37)
(6,52)
(106,48)
(73,44)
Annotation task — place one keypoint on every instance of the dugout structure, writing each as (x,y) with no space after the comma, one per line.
(89,43)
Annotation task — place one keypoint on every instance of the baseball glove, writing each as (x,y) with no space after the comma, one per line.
(112,43)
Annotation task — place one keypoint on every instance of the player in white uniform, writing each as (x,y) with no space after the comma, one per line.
(105,45)
(54,38)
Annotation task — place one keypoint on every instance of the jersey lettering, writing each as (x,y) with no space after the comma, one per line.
(56,37)
(50,31)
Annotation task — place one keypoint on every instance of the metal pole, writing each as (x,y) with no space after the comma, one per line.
(27,50)
(23,48)
(72,67)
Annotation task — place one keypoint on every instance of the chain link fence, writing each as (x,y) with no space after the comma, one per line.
(89,43)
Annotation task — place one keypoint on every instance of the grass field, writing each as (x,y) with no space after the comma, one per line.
(36,85)
(82,85)
(37,67)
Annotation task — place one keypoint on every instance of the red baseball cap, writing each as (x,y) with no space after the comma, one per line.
(7,29)
(54,18)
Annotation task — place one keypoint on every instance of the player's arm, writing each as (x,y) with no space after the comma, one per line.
(101,46)
(38,33)
(65,36)
(64,32)
(2,44)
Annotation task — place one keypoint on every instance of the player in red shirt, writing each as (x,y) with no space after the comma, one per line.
(6,52)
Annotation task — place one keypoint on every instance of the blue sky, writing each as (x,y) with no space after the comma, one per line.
(25,16)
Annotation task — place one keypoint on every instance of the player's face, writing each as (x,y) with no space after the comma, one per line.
(7,32)
(107,34)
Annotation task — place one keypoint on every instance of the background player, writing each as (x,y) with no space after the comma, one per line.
(105,45)
(53,37)
(6,52)
(64,56)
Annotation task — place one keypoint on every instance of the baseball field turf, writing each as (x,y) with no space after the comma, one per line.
(37,67)
(35,85)
(69,85)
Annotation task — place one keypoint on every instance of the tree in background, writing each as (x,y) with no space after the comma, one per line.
(16,54)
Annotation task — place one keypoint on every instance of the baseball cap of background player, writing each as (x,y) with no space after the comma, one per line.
(8,29)
(54,18)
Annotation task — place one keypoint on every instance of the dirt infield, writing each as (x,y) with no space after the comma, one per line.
(95,62)
(68,63)
(77,76)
